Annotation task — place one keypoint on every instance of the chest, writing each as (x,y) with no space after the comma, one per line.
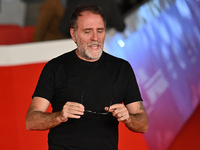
(94,86)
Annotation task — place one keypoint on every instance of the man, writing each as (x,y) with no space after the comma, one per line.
(90,92)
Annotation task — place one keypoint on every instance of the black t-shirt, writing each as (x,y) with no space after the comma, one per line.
(94,84)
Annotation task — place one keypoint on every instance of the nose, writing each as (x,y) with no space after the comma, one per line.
(94,36)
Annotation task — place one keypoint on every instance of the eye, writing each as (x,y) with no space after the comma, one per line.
(99,31)
(87,31)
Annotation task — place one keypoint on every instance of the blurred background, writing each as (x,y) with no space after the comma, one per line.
(160,39)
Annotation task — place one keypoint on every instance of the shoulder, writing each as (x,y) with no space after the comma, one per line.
(59,60)
(116,60)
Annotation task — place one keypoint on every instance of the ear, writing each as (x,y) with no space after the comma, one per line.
(72,32)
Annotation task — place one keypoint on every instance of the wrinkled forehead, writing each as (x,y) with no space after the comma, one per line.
(89,18)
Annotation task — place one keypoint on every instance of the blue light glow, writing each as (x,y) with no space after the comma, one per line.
(121,43)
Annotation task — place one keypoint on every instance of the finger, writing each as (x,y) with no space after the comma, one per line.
(123,118)
(72,110)
(106,108)
(74,106)
(113,107)
(75,111)
(74,116)
(118,114)
(120,111)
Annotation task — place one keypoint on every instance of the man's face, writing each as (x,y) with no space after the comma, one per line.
(89,36)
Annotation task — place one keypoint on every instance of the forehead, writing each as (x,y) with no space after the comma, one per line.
(89,19)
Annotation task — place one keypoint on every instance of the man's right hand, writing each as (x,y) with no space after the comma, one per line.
(38,119)
(71,110)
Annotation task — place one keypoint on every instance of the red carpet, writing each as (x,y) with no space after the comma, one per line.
(188,138)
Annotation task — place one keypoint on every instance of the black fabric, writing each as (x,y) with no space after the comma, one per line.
(56,147)
(67,78)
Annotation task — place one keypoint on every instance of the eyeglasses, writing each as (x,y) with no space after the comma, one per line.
(94,112)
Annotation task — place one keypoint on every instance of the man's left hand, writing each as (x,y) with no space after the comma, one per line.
(119,111)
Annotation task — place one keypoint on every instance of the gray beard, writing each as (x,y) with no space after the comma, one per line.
(87,56)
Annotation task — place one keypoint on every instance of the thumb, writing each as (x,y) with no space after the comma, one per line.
(106,108)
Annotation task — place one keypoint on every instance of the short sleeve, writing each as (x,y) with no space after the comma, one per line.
(132,93)
(46,84)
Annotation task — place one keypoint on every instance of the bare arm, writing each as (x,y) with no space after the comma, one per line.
(38,119)
(138,121)
(132,115)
